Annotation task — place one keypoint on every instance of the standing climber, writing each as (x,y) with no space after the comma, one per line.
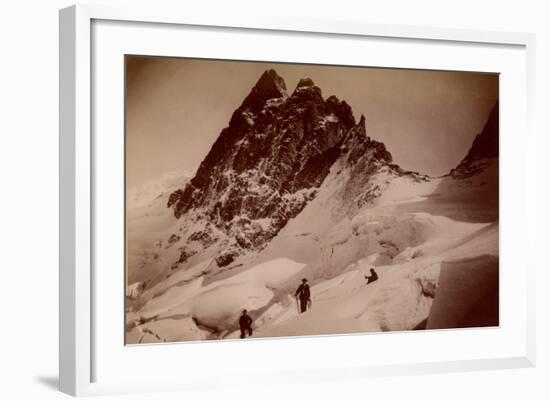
(372,278)
(303,294)
(245,323)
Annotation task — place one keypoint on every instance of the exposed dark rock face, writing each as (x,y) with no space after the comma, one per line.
(268,164)
(485,146)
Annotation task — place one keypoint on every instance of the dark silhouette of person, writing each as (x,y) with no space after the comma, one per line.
(303,294)
(372,278)
(245,323)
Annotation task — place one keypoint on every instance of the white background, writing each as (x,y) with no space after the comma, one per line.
(28,202)
(233,360)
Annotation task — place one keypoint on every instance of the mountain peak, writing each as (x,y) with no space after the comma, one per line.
(269,86)
(305,83)
(485,146)
(270,78)
(268,163)
(306,88)
(486,143)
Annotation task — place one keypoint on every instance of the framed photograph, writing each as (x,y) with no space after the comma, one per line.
(277,200)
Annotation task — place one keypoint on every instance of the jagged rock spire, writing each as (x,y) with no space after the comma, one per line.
(305,83)
(269,162)
(269,86)
(485,146)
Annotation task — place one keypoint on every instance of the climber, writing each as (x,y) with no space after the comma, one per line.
(303,294)
(245,323)
(373,277)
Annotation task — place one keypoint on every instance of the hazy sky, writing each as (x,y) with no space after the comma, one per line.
(176,108)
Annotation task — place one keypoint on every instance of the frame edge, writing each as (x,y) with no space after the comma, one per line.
(74,202)
(75,346)
(67,113)
(530,48)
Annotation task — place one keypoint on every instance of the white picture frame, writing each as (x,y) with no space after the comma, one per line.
(80,345)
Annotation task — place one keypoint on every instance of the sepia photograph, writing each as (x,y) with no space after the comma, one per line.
(269,200)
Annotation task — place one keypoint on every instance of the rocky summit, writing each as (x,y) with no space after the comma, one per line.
(267,164)
(484,147)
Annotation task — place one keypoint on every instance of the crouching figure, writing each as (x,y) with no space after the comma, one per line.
(372,278)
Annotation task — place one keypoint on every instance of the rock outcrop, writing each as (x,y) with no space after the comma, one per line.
(484,147)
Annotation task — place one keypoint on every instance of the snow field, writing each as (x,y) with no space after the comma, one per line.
(431,242)
(213,308)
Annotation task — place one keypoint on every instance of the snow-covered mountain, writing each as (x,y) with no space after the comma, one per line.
(295,187)
(148,221)
(267,165)
(146,193)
